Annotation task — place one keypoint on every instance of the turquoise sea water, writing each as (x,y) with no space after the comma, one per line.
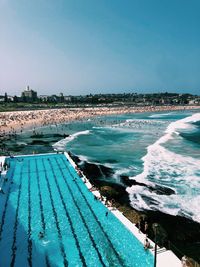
(155,148)
(44,194)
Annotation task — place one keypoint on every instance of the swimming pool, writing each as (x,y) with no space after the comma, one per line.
(44,194)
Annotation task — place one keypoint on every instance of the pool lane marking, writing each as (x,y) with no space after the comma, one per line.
(47,261)
(6,202)
(41,210)
(96,218)
(69,219)
(82,217)
(14,247)
(30,245)
(40,199)
(56,218)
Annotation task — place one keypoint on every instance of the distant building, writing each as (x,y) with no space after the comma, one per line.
(67,98)
(29,95)
(44,97)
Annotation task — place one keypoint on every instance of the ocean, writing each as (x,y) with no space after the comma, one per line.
(160,149)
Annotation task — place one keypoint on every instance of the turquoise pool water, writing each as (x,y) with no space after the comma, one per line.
(44,194)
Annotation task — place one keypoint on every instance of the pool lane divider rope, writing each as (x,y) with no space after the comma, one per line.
(69,218)
(14,247)
(6,202)
(41,210)
(96,218)
(56,218)
(82,217)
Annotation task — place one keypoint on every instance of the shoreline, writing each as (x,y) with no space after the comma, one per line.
(17,121)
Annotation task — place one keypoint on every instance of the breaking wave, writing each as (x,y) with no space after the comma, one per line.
(164,167)
(60,145)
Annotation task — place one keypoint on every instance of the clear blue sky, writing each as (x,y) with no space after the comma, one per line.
(100,46)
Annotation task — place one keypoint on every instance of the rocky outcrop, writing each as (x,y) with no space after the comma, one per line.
(160,190)
(92,170)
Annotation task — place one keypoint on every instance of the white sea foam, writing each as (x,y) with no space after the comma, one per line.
(118,173)
(60,145)
(166,168)
(156,150)
(184,205)
(160,115)
(22,143)
(83,158)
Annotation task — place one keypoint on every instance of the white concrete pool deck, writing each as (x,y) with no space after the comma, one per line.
(165,258)
(3,172)
(2,160)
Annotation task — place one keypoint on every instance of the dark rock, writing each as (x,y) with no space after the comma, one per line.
(149,201)
(106,171)
(37,136)
(92,170)
(39,142)
(113,191)
(50,135)
(74,158)
(109,192)
(95,171)
(129,182)
(160,190)
(16,148)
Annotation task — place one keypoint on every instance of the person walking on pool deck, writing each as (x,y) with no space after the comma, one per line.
(146,243)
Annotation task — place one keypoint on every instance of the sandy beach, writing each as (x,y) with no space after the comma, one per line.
(17,121)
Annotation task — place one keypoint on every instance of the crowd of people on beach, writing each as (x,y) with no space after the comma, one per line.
(16,121)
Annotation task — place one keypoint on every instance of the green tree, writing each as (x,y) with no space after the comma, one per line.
(6,98)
